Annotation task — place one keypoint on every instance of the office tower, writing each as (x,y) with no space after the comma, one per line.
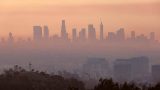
(91,32)
(74,34)
(133,35)
(139,67)
(156,73)
(96,67)
(142,38)
(46,33)
(101,31)
(152,36)
(10,38)
(64,34)
(111,36)
(122,70)
(82,34)
(120,34)
(37,33)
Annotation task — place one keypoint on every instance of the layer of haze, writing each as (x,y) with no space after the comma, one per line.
(18,16)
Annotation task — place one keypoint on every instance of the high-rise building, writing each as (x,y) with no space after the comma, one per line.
(156,73)
(139,68)
(74,34)
(120,34)
(82,34)
(133,35)
(122,70)
(142,38)
(101,31)
(152,36)
(96,67)
(111,36)
(37,33)
(64,34)
(91,32)
(46,33)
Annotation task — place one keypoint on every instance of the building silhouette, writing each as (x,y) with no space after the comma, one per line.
(91,33)
(133,35)
(64,34)
(101,31)
(111,36)
(37,33)
(142,38)
(82,34)
(96,67)
(122,70)
(74,34)
(156,73)
(140,67)
(131,69)
(120,36)
(46,33)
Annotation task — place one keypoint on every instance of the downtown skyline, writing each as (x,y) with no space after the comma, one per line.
(89,33)
(19,16)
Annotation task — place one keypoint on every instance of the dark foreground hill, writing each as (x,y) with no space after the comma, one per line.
(21,79)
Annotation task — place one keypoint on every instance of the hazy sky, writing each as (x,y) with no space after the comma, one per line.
(18,16)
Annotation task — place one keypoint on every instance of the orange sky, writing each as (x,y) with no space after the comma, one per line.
(18,16)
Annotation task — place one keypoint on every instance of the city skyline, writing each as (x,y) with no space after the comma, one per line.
(140,16)
(89,33)
(80,44)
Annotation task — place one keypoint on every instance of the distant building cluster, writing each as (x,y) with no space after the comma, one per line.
(42,33)
(133,69)
(90,34)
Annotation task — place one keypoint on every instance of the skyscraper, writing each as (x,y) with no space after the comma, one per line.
(46,33)
(120,34)
(91,32)
(96,67)
(111,36)
(82,34)
(74,34)
(122,70)
(133,35)
(64,34)
(37,33)
(101,31)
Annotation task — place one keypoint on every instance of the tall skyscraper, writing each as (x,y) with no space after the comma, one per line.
(101,31)
(111,36)
(152,36)
(37,33)
(133,35)
(120,34)
(74,34)
(46,33)
(91,32)
(82,34)
(64,34)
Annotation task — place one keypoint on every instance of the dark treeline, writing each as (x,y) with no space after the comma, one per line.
(21,79)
